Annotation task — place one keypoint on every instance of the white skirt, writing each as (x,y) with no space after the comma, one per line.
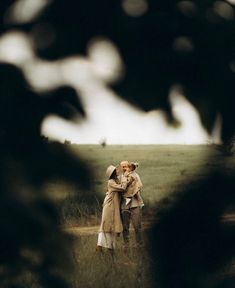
(107,240)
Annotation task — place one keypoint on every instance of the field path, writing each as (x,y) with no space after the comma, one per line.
(82,230)
(228,218)
(93,230)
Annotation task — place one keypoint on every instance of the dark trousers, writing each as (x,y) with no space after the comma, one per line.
(134,215)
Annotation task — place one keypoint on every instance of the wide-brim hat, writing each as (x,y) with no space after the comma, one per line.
(110,171)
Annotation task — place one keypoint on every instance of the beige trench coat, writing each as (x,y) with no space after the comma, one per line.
(111,217)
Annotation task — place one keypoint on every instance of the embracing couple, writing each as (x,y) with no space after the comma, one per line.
(121,205)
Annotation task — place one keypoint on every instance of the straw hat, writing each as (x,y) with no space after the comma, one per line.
(110,171)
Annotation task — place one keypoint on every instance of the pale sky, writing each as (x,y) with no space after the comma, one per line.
(108,117)
(119,123)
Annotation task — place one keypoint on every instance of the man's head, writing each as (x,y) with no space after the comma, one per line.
(124,165)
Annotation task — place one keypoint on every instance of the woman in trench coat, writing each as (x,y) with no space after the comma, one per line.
(111,222)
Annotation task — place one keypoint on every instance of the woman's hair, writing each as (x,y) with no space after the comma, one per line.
(113,175)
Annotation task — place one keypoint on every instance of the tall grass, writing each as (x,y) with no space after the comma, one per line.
(95,269)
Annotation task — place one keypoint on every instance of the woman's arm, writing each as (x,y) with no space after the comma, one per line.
(115,187)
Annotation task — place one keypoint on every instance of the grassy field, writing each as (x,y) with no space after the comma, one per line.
(161,168)
(164,169)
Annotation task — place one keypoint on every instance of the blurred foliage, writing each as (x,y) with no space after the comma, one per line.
(188,43)
(185,43)
(32,245)
(192,243)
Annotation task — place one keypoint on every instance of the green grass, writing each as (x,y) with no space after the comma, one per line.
(163,170)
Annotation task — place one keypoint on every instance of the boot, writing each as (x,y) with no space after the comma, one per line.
(99,249)
(111,252)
